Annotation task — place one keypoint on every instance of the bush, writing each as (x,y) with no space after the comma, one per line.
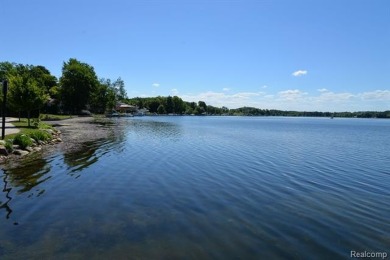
(40,135)
(35,122)
(9,145)
(23,140)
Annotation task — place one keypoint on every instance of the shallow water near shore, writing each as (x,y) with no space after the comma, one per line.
(204,188)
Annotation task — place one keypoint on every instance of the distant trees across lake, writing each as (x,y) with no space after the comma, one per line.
(251,111)
(175,105)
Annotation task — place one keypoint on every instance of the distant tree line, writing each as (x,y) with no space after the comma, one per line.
(175,105)
(33,89)
(251,111)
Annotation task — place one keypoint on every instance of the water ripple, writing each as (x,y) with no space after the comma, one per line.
(202,187)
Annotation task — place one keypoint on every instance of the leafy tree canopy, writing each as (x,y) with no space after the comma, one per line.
(104,97)
(26,94)
(119,88)
(77,83)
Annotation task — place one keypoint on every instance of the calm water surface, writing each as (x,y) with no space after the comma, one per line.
(205,188)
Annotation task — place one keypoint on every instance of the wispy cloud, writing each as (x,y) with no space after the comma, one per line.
(174,92)
(291,94)
(292,99)
(299,73)
(329,96)
(322,90)
(223,99)
(376,95)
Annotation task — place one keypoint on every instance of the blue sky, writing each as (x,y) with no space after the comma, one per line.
(325,55)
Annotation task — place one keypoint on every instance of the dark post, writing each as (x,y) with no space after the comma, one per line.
(5,88)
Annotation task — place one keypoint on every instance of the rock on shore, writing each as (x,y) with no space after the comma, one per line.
(35,147)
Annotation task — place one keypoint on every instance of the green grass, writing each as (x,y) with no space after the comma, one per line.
(40,135)
(25,129)
(9,144)
(47,117)
(23,124)
(22,140)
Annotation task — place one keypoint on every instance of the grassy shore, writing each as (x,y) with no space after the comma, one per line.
(25,129)
(51,117)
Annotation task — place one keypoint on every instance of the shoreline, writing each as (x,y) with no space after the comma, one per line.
(69,135)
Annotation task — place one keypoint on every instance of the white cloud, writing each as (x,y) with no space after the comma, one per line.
(376,95)
(299,73)
(265,86)
(246,95)
(328,96)
(223,99)
(174,91)
(291,94)
(226,89)
(294,99)
(156,85)
(322,90)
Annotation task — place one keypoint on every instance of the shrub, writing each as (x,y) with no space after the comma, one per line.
(39,135)
(36,122)
(9,145)
(23,140)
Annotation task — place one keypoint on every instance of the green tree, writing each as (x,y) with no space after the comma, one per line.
(120,91)
(169,105)
(225,110)
(25,94)
(161,109)
(203,105)
(199,110)
(43,76)
(153,105)
(6,69)
(103,98)
(178,105)
(77,84)
(189,111)
(49,83)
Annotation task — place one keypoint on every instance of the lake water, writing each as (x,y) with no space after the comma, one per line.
(205,188)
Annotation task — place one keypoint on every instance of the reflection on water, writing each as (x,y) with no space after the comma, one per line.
(154,129)
(25,178)
(5,204)
(204,188)
(29,174)
(82,157)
